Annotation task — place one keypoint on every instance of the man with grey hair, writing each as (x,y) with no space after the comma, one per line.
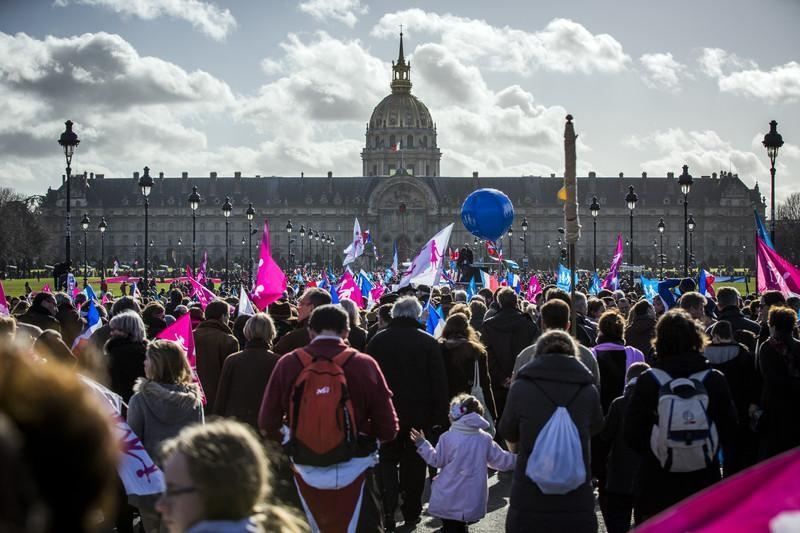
(412,363)
(587,326)
(728,309)
(460,296)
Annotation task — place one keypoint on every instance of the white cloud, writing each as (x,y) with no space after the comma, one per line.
(662,71)
(562,46)
(215,22)
(744,77)
(344,11)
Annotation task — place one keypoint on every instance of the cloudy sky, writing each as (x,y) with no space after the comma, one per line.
(276,87)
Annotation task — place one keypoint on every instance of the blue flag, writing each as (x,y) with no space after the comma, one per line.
(334,294)
(364,284)
(596,285)
(650,288)
(89,292)
(299,278)
(563,278)
(434,319)
(762,231)
(471,288)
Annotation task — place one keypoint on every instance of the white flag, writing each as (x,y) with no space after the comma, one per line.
(245,305)
(356,247)
(427,265)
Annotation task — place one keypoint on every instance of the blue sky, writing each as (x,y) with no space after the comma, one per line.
(280,87)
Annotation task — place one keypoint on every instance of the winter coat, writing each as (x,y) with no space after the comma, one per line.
(585,356)
(158,411)
(779,366)
(459,362)
(297,338)
(587,331)
(412,363)
(613,360)
(40,317)
(527,411)
(125,364)
(623,463)
(71,322)
(505,335)
(658,488)
(357,338)
(213,342)
(243,381)
(459,491)
(154,326)
(737,319)
(640,333)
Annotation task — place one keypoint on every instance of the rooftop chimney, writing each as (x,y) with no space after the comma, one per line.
(213,175)
(330,174)
(136,175)
(237,174)
(184,175)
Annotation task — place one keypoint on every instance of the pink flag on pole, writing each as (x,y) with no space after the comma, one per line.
(3,301)
(204,296)
(612,278)
(180,331)
(377,292)
(775,272)
(201,272)
(270,280)
(348,288)
(748,501)
(46,288)
(533,288)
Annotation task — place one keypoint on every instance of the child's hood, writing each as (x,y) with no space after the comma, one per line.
(471,422)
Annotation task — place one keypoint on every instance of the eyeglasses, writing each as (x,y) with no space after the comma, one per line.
(178,491)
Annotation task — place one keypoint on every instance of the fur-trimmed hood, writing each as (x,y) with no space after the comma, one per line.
(169,403)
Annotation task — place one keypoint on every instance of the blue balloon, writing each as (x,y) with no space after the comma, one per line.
(487,214)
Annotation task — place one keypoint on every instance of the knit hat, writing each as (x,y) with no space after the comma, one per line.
(280,310)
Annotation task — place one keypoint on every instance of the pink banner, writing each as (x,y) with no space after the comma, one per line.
(534,288)
(3,301)
(612,278)
(348,288)
(746,502)
(270,279)
(775,272)
(180,331)
(204,296)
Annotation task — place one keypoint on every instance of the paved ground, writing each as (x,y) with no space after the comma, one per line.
(495,520)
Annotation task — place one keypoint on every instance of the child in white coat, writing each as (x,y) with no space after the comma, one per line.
(459,493)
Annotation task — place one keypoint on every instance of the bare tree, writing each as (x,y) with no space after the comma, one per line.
(789,209)
(21,233)
(787,230)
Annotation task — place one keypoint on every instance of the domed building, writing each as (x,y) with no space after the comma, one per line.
(401,135)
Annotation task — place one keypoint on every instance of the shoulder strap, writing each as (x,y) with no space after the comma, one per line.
(701,376)
(303,356)
(343,357)
(476,376)
(660,376)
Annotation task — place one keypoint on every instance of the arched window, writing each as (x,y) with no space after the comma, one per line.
(410,141)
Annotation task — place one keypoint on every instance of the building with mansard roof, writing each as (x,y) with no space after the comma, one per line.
(402,197)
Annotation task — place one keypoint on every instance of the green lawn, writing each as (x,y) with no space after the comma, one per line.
(16,287)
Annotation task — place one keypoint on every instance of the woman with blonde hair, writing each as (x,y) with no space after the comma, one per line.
(165,401)
(217,479)
(358,335)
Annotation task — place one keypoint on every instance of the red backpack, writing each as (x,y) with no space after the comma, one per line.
(321,415)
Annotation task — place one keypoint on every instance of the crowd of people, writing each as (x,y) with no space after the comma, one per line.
(321,416)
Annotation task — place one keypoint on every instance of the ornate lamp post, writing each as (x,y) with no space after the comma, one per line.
(333,245)
(68,141)
(180,243)
(690,226)
(145,186)
(194,204)
(631,198)
(289,243)
(102,227)
(661,228)
(772,142)
(685,181)
(510,242)
(594,209)
(227,208)
(251,213)
(85,227)
(302,245)
(316,238)
(525,243)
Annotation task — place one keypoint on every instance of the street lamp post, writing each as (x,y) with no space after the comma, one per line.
(102,227)
(594,209)
(179,257)
(661,228)
(227,208)
(85,227)
(510,242)
(772,142)
(525,243)
(691,225)
(194,204)
(631,198)
(302,245)
(68,141)
(251,213)
(145,186)
(289,243)
(685,181)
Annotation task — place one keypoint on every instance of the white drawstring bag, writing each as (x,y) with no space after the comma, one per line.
(477,392)
(556,462)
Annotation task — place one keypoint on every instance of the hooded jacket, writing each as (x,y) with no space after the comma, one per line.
(527,411)
(158,411)
(459,363)
(460,491)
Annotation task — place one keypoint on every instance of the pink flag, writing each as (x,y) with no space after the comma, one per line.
(201,273)
(270,280)
(180,331)
(775,272)
(748,501)
(348,288)
(3,301)
(104,301)
(612,278)
(377,292)
(46,288)
(204,296)
(533,288)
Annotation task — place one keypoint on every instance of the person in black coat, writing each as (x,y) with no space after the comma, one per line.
(728,309)
(505,335)
(412,364)
(779,366)
(42,313)
(679,343)
(125,352)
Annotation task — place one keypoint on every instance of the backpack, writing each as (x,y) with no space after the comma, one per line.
(321,415)
(556,461)
(685,438)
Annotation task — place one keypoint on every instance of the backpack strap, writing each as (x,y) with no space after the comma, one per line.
(701,376)
(304,357)
(343,357)
(661,377)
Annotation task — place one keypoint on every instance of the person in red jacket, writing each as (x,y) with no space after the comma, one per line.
(344,495)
